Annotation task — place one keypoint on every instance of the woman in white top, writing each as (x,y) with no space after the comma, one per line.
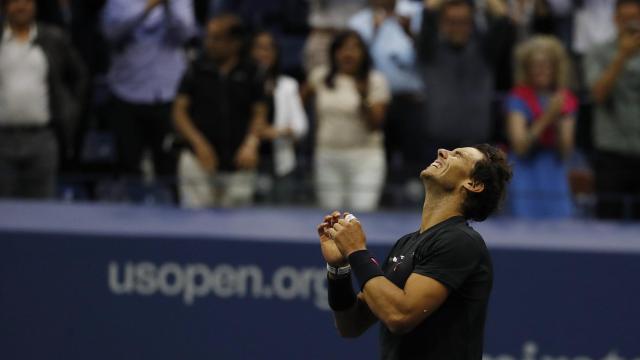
(350,105)
(287,118)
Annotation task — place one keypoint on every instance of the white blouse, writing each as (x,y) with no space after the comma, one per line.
(341,123)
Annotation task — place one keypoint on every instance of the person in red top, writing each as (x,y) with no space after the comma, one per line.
(540,129)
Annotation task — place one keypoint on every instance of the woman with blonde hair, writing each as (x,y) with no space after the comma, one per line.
(540,127)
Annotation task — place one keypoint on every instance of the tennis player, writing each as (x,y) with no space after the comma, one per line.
(431,292)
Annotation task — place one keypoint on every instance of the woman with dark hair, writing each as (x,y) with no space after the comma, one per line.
(287,119)
(350,105)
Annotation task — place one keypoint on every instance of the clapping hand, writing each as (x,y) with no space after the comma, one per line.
(348,236)
(330,251)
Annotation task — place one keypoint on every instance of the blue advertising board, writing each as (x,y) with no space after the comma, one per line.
(122,293)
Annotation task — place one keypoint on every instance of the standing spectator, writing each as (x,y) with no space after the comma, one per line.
(541,115)
(42,86)
(146,38)
(613,73)
(390,39)
(350,104)
(459,66)
(220,112)
(287,118)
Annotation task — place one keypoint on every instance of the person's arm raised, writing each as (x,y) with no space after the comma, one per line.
(629,44)
(120,18)
(521,136)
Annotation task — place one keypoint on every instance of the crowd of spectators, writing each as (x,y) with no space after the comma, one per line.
(336,102)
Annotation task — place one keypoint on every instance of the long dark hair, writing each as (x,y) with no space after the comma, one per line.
(275,70)
(365,66)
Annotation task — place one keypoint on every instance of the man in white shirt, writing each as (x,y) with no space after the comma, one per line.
(41,85)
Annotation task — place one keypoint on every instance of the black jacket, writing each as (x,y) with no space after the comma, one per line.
(67,79)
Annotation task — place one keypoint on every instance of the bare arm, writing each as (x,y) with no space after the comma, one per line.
(566,136)
(182,121)
(428,38)
(374,96)
(306,92)
(401,310)
(375,114)
(357,319)
(247,156)
(204,150)
(628,46)
(603,86)
(522,137)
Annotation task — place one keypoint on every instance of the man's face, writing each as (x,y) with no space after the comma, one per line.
(628,18)
(452,169)
(219,45)
(456,24)
(20,12)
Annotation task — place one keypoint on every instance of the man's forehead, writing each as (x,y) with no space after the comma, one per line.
(472,153)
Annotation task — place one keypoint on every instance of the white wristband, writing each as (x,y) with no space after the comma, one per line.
(343,270)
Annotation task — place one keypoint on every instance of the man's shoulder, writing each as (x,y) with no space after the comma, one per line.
(404,238)
(460,236)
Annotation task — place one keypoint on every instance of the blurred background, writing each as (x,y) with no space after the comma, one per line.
(163,164)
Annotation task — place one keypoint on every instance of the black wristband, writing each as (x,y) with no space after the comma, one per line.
(364,266)
(341,295)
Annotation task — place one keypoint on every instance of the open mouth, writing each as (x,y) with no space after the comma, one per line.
(437,164)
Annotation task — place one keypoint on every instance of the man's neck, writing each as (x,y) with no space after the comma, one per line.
(21,31)
(439,206)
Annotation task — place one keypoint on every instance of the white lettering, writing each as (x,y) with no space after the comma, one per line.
(195,284)
(193,281)
(530,350)
(224,281)
(145,275)
(124,287)
(170,279)
(285,283)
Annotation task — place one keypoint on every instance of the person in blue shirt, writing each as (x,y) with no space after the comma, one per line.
(147,61)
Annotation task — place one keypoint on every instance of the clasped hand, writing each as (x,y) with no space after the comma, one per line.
(340,238)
